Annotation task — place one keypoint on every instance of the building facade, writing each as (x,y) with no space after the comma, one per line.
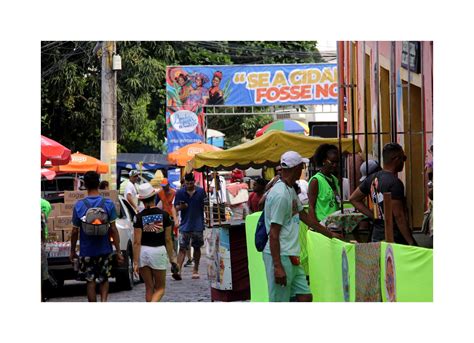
(387,96)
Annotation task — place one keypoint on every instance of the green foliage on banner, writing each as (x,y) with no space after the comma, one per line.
(71,88)
(413,273)
(257,275)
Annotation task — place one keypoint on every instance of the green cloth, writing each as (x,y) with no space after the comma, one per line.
(326,203)
(325,267)
(413,273)
(46,209)
(257,274)
(303,246)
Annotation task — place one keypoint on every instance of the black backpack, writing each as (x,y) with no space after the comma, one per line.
(96,220)
(261,235)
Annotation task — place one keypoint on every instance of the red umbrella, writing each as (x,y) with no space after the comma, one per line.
(54,152)
(48,174)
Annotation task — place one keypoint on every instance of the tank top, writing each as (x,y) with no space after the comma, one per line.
(326,202)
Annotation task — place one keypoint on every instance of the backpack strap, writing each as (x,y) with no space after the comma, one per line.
(102,203)
(87,203)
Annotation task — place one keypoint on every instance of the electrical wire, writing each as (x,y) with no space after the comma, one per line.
(57,64)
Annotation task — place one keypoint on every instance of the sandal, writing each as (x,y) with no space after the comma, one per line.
(195,276)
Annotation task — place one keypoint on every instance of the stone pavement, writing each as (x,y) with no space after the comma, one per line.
(185,290)
(189,289)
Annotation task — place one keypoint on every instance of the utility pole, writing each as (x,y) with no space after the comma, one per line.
(108,141)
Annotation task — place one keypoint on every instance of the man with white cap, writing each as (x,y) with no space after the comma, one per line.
(131,190)
(283,211)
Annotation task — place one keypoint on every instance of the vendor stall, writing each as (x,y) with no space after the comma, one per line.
(229,269)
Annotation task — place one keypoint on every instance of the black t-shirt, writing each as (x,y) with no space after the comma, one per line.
(152,222)
(375,185)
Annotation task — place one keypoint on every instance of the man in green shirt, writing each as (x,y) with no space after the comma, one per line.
(283,211)
(45,210)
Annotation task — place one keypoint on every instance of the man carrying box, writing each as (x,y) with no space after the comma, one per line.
(94,217)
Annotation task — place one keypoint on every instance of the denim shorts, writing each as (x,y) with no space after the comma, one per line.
(196,238)
(295,280)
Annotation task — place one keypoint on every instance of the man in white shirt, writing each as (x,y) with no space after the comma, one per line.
(222,190)
(131,190)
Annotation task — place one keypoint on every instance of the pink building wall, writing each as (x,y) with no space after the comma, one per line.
(424,80)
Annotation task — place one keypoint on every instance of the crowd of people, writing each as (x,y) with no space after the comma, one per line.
(169,223)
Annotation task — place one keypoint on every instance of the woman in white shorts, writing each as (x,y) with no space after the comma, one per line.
(152,245)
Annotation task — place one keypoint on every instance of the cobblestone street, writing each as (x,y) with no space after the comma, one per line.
(186,290)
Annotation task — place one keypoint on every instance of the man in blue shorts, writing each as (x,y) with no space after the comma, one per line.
(95,256)
(190,201)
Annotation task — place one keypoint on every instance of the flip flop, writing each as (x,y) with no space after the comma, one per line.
(195,276)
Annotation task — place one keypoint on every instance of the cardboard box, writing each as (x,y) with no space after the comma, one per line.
(50,224)
(54,236)
(73,196)
(63,223)
(66,209)
(55,210)
(111,194)
(66,236)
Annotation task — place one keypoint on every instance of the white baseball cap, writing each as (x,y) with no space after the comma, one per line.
(291,159)
(133,173)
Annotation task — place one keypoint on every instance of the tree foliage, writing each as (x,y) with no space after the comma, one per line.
(71,91)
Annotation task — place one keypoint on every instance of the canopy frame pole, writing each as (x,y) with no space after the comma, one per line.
(341,92)
(208,196)
(366,137)
(352,86)
(216,185)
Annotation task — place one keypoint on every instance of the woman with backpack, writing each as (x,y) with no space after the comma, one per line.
(152,245)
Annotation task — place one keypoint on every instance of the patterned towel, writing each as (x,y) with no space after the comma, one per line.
(367,257)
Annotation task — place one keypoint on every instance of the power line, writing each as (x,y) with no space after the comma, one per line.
(57,64)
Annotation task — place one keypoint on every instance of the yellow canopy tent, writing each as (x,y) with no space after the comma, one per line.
(265,150)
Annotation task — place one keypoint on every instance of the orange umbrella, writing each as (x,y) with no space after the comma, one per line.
(81,163)
(186,153)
